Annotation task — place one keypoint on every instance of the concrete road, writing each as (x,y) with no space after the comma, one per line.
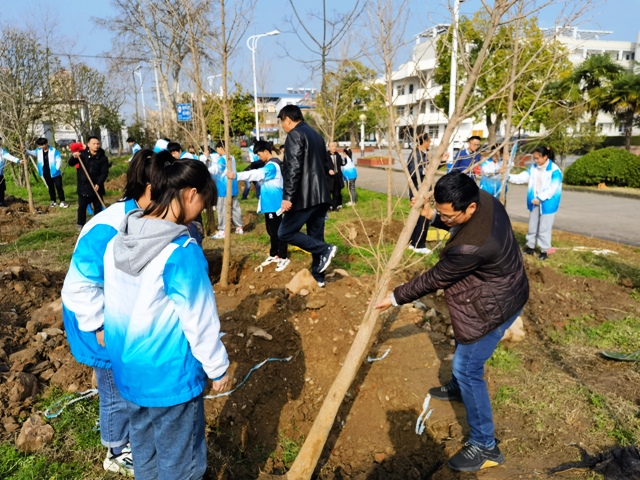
(591,214)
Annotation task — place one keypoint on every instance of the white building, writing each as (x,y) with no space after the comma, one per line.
(414,88)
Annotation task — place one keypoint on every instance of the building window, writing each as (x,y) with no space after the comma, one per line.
(423,107)
(433,108)
(434,131)
(400,89)
(400,110)
(410,88)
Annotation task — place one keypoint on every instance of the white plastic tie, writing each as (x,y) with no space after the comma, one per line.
(224,394)
(424,416)
(382,357)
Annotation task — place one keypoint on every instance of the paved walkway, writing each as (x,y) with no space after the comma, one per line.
(591,214)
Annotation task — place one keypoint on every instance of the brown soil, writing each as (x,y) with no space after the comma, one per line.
(373,437)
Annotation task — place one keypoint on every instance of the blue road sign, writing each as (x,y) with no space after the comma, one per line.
(184,112)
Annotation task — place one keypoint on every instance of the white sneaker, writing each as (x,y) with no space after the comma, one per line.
(219,235)
(282,264)
(269,260)
(410,247)
(64,205)
(423,251)
(239,230)
(122,463)
(53,204)
(321,284)
(348,204)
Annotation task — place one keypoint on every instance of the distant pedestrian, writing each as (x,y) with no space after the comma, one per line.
(336,182)
(4,156)
(491,173)
(96,163)
(270,203)
(218,171)
(133,145)
(305,198)
(417,164)
(50,169)
(543,198)
(468,158)
(350,174)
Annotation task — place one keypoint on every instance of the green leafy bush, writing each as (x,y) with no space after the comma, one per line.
(613,166)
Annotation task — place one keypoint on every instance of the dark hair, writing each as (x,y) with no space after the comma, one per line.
(174,147)
(347,151)
(474,137)
(262,145)
(220,144)
(91,138)
(422,138)
(458,189)
(42,141)
(292,112)
(131,140)
(170,176)
(138,174)
(545,152)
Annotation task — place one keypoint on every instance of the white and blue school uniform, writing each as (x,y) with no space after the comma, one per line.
(55,161)
(4,156)
(491,179)
(160,145)
(83,314)
(188,155)
(350,174)
(160,320)
(544,184)
(134,149)
(218,170)
(271,185)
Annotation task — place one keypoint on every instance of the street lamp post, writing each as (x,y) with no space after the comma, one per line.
(210,80)
(252,44)
(363,119)
(454,67)
(138,72)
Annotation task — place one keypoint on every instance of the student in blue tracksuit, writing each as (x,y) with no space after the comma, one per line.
(492,173)
(133,145)
(83,310)
(4,156)
(50,168)
(543,199)
(270,200)
(218,170)
(161,325)
(350,174)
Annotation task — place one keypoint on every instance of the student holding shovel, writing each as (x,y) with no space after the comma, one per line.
(93,172)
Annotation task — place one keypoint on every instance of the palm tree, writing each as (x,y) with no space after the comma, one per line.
(593,79)
(624,102)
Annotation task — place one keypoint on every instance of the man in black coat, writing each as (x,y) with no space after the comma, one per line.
(305,195)
(97,164)
(335,162)
(485,286)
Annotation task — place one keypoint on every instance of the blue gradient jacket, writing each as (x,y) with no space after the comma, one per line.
(83,289)
(218,171)
(55,161)
(545,184)
(4,155)
(270,178)
(160,320)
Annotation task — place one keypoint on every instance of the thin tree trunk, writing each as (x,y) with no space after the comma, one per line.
(25,169)
(226,255)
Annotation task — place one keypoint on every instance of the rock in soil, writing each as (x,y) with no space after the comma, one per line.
(34,434)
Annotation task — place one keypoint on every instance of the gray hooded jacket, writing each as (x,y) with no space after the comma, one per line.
(140,240)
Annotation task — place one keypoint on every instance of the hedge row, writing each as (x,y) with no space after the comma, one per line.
(613,166)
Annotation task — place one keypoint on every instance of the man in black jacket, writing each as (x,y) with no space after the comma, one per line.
(97,164)
(485,286)
(305,196)
(335,162)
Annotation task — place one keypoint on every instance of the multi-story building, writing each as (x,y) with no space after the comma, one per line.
(269,104)
(414,88)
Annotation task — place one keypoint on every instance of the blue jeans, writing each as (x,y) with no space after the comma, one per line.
(114,416)
(247,189)
(168,443)
(467,376)
(313,242)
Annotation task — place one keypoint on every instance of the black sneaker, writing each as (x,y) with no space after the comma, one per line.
(447,393)
(471,458)
(325,259)
(529,251)
(542,256)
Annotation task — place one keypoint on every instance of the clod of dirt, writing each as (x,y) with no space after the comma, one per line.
(515,333)
(34,434)
(22,359)
(23,386)
(259,332)
(302,280)
(316,304)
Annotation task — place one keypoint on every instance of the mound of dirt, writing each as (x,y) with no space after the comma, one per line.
(117,184)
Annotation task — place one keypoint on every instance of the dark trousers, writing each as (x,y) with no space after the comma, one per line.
(313,242)
(54,184)
(278,247)
(247,189)
(419,234)
(83,203)
(3,187)
(336,194)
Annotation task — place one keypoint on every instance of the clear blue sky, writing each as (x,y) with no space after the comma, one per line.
(74,20)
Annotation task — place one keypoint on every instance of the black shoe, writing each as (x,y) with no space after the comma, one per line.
(471,458)
(325,258)
(447,393)
(542,256)
(529,251)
